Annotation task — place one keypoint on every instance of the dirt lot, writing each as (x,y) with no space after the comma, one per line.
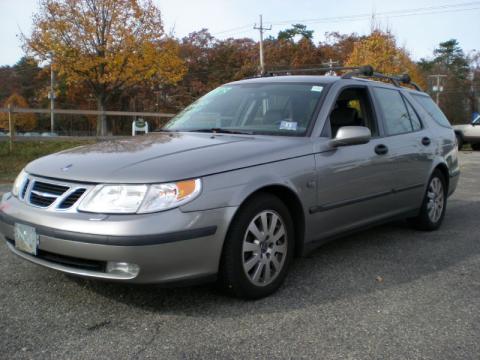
(387,293)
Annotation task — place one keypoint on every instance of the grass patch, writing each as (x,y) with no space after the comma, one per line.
(26,151)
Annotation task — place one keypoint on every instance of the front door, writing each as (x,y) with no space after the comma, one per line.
(353,182)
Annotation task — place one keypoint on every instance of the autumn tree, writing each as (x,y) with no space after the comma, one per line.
(23,78)
(458,97)
(107,45)
(293,48)
(380,50)
(22,121)
(338,47)
(295,31)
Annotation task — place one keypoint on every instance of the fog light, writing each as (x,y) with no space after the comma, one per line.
(122,268)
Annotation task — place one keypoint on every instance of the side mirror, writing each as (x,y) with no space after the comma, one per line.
(351,135)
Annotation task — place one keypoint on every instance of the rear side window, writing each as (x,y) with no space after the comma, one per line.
(432,108)
(397,118)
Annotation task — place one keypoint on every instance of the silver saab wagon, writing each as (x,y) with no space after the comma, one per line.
(239,182)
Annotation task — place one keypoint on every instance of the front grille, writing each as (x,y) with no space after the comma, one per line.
(92,265)
(42,201)
(25,187)
(53,195)
(44,194)
(69,261)
(71,199)
(49,188)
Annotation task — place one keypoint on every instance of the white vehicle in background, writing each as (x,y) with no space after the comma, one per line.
(469,134)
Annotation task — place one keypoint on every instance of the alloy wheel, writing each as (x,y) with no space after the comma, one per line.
(435,200)
(264,248)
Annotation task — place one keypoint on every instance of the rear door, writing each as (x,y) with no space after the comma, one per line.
(409,147)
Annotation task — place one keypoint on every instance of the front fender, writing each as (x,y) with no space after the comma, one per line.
(234,187)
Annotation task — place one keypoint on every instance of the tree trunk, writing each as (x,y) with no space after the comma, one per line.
(101,119)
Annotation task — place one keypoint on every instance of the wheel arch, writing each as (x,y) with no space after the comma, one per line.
(459,132)
(442,167)
(291,199)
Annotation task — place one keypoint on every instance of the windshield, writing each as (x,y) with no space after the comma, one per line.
(272,108)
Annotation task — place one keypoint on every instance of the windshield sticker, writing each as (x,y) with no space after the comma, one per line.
(316,88)
(288,125)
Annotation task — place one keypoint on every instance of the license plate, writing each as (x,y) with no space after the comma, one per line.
(26,239)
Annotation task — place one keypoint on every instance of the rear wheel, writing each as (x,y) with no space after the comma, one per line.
(258,248)
(434,204)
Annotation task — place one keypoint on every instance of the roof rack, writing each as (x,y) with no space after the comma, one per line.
(362,71)
(395,80)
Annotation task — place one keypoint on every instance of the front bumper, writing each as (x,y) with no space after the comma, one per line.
(170,246)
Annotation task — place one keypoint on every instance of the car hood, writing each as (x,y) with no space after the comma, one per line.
(163,157)
(462,127)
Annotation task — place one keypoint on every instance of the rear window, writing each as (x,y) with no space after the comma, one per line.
(432,108)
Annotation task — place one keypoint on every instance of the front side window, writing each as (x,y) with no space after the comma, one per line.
(256,108)
(416,123)
(396,116)
(352,108)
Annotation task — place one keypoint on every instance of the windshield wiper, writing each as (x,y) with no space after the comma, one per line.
(222,131)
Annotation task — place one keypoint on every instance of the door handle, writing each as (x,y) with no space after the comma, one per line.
(381,149)
(426,141)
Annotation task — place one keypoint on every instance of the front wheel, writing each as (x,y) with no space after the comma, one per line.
(258,248)
(434,204)
(459,141)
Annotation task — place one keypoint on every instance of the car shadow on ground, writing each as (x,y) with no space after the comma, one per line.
(370,261)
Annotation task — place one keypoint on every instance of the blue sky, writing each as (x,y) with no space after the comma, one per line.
(419,30)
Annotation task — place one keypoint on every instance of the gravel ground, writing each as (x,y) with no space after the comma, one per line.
(387,293)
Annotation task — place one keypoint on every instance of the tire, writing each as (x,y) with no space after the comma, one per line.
(459,141)
(434,204)
(250,256)
(476,147)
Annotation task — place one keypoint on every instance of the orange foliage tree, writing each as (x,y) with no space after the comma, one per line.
(108,45)
(380,50)
(22,121)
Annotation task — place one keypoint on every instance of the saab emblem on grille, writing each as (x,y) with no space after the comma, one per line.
(66,168)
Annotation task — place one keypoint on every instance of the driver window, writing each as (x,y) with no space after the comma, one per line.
(352,108)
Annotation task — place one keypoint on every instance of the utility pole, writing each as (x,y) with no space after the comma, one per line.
(437,89)
(10,128)
(330,65)
(51,94)
(261,29)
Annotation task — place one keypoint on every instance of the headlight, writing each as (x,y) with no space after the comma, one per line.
(19,182)
(167,196)
(115,199)
(130,199)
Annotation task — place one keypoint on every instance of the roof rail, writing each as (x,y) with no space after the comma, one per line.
(321,69)
(407,80)
(363,71)
(366,70)
(395,80)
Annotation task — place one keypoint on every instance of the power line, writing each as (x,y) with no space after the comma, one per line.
(402,12)
(438,9)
